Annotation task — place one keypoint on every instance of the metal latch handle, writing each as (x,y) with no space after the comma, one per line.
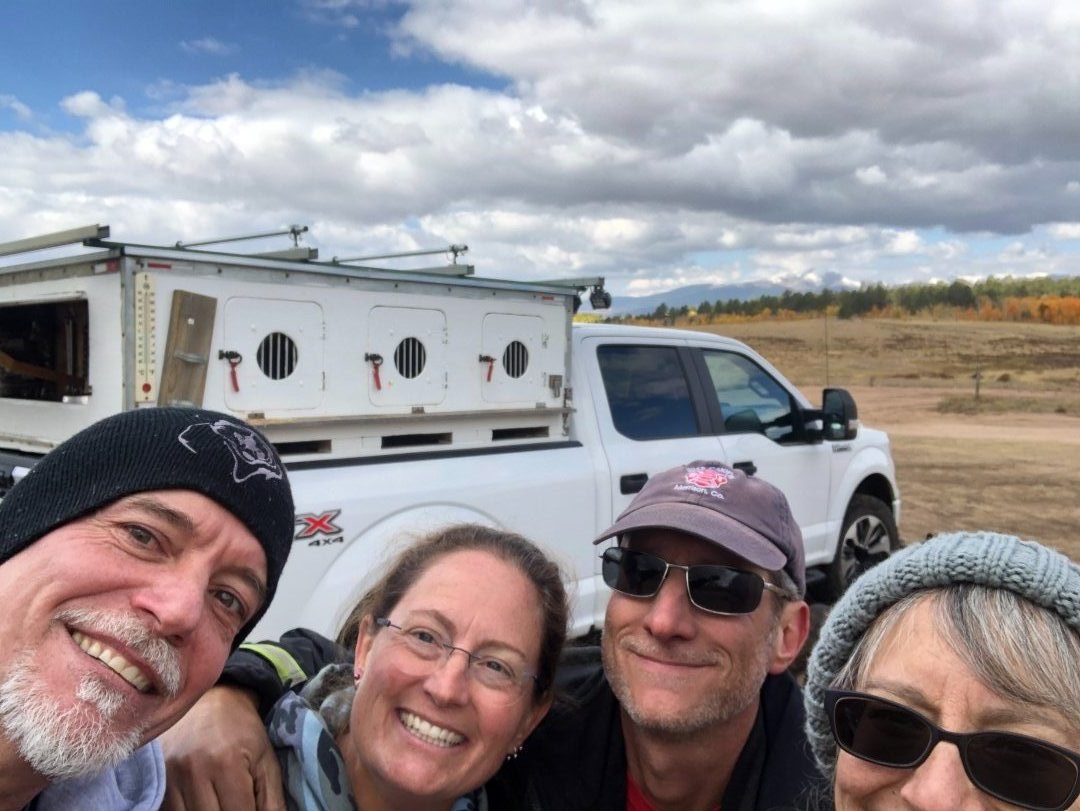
(375,361)
(234,359)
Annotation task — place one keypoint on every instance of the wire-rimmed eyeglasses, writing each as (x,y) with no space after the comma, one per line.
(500,676)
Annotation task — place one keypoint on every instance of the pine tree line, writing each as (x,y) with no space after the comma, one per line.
(1053,300)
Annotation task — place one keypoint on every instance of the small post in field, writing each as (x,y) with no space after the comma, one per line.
(826,309)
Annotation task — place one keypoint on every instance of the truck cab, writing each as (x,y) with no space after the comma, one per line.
(661,397)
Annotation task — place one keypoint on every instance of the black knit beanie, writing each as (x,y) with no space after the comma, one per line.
(136,451)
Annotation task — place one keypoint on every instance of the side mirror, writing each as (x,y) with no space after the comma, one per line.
(841,416)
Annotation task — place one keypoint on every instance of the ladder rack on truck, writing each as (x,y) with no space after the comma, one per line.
(330,359)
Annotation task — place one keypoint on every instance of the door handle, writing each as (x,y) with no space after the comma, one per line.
(632,483)
(749,468)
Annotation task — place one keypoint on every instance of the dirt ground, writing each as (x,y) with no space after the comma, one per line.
(1017,473)
(1014,468)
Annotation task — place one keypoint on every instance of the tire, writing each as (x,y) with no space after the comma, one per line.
(867,537)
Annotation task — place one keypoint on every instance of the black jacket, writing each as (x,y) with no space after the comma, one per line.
(575,760)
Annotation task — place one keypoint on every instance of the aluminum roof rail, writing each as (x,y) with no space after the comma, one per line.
(54,240)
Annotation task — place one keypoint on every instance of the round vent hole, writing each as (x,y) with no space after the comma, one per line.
(410,357)
(277,356)
(515,359)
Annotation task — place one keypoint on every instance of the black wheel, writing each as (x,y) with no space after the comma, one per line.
(868,537)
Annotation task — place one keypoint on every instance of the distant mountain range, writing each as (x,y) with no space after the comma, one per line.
(693,295)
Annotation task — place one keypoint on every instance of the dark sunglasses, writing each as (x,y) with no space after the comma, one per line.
(716,589)
(1015,768)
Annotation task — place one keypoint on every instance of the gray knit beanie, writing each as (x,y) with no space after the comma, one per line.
(137,451)
(1030,570)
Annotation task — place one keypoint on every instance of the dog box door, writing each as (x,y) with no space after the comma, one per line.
(515,347)
(280,347)
(409,346)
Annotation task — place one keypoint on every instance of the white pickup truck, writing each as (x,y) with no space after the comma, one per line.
(401,400)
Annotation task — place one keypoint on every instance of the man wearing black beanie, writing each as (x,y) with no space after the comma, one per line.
(133,558)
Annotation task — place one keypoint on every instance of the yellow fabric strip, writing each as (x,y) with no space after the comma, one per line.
(288,669)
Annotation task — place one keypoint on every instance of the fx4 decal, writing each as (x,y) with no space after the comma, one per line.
(318,529)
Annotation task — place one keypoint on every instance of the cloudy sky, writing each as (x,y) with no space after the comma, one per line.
(658,144)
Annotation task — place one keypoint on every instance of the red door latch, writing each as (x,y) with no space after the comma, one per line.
(376,362)
(234,359)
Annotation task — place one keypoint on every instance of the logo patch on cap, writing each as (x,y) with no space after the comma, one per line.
(707,478)
(251,454)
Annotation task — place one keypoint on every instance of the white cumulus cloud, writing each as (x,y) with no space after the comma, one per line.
(654,143)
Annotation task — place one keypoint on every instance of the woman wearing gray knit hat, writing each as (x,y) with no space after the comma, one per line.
(948,677)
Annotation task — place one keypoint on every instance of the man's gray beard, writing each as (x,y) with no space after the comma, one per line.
(742,687)
(82,739)
(61,743)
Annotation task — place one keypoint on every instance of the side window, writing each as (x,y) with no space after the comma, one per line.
(750,399)
(647,391)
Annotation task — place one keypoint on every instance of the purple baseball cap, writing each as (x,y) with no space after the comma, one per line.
(721,504)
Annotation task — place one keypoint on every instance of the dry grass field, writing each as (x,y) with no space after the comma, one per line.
(1009,461)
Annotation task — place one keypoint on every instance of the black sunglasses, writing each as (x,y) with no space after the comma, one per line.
(1015,768)
(716,589)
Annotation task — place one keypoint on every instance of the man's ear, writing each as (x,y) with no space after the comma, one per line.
(791,635)
(365,638)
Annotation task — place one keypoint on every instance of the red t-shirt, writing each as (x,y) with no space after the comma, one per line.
(635,800)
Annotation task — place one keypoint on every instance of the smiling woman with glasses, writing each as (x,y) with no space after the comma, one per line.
(949,677)
(455,653)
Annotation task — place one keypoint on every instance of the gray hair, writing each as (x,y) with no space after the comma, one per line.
(1019,650)
(791,593)
(788,584)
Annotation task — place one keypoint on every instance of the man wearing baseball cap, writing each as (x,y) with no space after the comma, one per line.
(686,706)
(133,558)
(692,708)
